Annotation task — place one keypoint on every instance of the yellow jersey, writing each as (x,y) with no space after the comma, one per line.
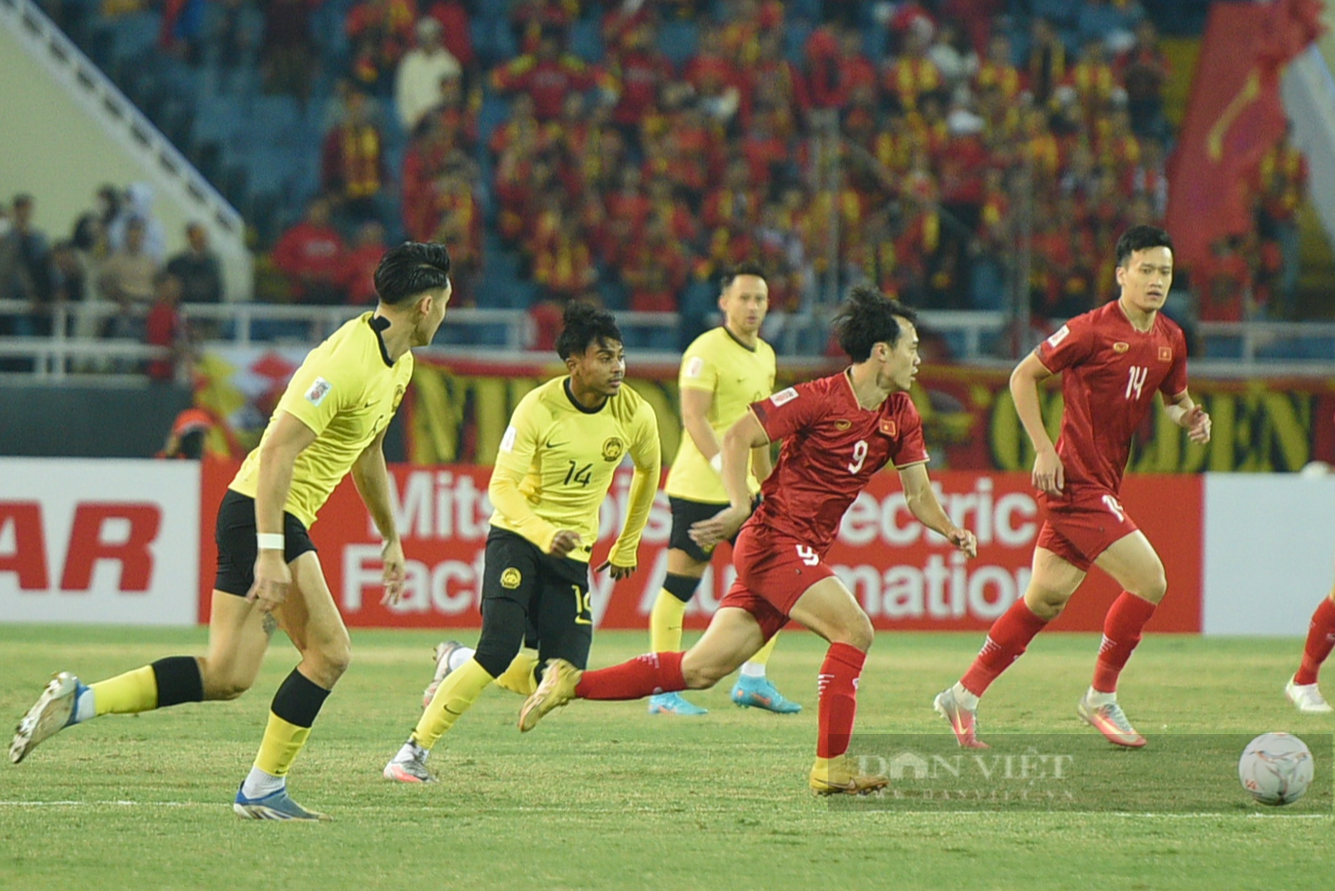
(737,375)
(556,463)
(346,391)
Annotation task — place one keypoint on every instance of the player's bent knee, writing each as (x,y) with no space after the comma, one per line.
(225,689)
(702,678)
(1046,604)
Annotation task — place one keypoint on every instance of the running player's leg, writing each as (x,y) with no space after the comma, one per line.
(1133,564)
(830,610)
(1302,688)
(311,620)
(733,635)
(238,636)
(1054,578)
(512,573)
(686,565)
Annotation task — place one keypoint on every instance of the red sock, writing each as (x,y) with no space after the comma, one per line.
(1121,633)
(642,676)
(838,685)
(1320,640)
(1006,641)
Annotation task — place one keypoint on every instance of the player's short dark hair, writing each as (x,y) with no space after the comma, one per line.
(409,269)
(746,267)
(585,324)
(867,318)
(1139,238)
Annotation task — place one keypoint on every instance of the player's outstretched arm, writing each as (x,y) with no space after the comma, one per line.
(647,453)
(923,503)
(1185,413)
(1049,474)
(371,477)
(747,434)
(283,441)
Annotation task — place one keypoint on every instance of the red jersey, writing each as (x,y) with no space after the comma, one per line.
(1109,374)
(831,448)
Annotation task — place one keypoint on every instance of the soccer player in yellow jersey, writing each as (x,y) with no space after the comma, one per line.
(553,470)
(722,372)
(330,421)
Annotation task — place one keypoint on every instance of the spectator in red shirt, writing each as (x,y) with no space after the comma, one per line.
(1143,70)
(636,73)
(312,255)
(359,264)
(547,76)
(381,31)
(165,327)
(352,164)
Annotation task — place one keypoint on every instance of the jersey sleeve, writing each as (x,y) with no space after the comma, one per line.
(911,447)
(647,454)
(788,411)
(1069,345)
(697,371)
(1176,380)
(317,392)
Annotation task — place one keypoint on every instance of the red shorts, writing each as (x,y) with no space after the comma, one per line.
(772,573)
(1081,525)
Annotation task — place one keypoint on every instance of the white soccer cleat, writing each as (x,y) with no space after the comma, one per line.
(1307,698)
(409,765)
(52,713)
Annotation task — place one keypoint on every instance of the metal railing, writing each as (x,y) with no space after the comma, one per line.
(1230,349)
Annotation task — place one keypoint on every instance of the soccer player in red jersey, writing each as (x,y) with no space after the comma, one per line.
(837,432)
(1112,360)
(1302,688)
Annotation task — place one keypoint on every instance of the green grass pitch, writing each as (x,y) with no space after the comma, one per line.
(604,796)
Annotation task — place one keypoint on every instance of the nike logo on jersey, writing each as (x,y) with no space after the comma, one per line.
(554,445)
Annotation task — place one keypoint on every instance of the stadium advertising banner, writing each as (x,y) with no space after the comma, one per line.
(99,541)
(458,410)
(904,576)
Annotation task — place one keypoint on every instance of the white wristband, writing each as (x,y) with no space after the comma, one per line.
(269,541)
(716,462)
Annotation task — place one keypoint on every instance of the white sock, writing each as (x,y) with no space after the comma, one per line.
(260,783)
(459,657)
(85,707)
(752,670)
(964,697)
(411,751)
(1096,699)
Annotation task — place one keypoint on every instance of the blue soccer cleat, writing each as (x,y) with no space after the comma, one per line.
(674,704)
(760,693)
(274,806)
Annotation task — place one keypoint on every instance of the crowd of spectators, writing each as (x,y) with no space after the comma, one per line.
(907,144)
(109,277)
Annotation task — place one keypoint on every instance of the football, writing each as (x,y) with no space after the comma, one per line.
(1276,768)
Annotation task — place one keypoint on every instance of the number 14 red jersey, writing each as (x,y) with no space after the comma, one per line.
(831,448)
(1110,372)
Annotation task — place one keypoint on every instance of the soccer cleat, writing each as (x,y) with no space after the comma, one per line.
(441,654)
(1307,697)
(760,693)
(839,776)
(274,806)
(674,704)
(52,713)
(409,765)
(963,721)
(1111,721)
(557,688)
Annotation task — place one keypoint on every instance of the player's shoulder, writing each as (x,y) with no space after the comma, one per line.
(542,399)
(627,403)
(705,344)
(1169,327)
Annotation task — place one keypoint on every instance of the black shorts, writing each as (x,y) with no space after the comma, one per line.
(237,549)
(553,592)
(686,512)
